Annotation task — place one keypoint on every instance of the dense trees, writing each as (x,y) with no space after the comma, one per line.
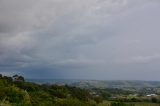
(121,104)
(18,78)
(15,91)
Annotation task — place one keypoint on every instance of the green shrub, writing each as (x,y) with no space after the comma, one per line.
(71,102)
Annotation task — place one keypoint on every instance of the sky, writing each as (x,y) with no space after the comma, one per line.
(80,39)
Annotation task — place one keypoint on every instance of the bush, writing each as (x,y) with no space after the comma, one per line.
(71,102)
(154,100)
(120,104)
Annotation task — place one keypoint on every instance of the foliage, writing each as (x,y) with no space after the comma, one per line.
(15,91)
(71,102)
(121,104)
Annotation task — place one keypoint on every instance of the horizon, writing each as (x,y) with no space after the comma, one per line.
(80,79)
(76,39)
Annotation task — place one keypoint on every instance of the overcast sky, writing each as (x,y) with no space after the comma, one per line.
(80,39)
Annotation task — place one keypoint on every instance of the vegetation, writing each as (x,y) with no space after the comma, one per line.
(14,91)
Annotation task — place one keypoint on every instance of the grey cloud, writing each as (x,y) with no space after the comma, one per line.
(79,38)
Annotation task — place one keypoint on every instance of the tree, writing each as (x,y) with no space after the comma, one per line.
(154,100)
(18,78)
(1,76)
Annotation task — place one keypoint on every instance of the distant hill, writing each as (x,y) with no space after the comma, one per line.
(115,84)
(98,83)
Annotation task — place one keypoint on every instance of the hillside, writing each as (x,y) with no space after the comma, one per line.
(115,84)
(14,91)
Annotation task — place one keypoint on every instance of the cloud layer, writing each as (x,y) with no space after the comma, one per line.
(93,39)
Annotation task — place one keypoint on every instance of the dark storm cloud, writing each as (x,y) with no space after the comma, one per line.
(80,39)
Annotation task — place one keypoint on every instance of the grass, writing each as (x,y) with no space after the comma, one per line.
(146,104)
(107,103)
(104,103)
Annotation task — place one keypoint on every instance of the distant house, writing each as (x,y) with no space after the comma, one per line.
(94,94)
(151,95)
(133,95)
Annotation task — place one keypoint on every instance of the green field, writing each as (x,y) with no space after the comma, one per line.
(146,104)
(107,103)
